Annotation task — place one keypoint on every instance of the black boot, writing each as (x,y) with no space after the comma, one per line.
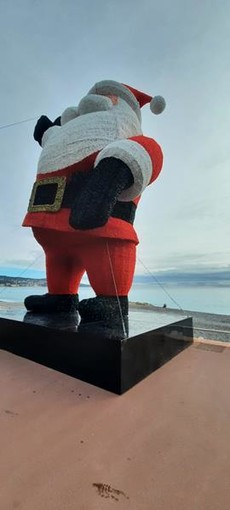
(107,313)
(51,303)
(67,321)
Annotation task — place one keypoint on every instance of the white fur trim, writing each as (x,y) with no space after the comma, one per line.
(86,134)
(69,113)
(138,161)
(105,87)
(94,103)
(49,133)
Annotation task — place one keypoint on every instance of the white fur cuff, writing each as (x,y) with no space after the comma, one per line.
(138,161)
(48,134)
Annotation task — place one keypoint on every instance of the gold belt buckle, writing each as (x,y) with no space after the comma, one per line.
(56,205)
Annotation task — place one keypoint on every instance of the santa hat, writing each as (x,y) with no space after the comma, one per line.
(135,98)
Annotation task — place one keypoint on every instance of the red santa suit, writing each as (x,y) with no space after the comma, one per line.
(106,124)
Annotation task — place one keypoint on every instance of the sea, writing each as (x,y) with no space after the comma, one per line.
(208,299)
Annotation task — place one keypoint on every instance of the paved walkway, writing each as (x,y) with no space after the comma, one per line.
(163,445)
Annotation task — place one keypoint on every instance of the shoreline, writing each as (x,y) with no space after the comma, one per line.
(135,305)
(194,299)
(207,326)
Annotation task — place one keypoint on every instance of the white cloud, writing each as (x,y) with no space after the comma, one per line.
(51,56)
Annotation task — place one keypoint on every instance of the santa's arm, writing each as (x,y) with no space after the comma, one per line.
(122,171)
(142,155)
(42,126)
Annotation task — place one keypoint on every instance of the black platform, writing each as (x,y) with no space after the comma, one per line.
(99,356)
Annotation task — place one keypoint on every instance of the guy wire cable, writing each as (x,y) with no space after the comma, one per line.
(162,287)
(18,122)
(5,126)
(115,287)
(4,289)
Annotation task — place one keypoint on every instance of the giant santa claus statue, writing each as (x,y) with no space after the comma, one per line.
(94,165)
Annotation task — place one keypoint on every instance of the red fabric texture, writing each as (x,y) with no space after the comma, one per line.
(107,253)
(109,263)
(141,97)
(59,221)
(154,151)
(114,228)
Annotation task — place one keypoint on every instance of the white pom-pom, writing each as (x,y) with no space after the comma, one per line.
(157,104)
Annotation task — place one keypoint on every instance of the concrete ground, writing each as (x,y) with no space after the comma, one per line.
(163,445)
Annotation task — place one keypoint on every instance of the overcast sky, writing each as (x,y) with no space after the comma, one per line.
(53,51)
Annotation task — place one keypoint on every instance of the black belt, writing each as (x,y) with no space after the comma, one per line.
(55,193)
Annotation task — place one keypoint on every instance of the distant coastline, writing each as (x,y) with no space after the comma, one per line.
(218,278)
(20,281)
(12,281)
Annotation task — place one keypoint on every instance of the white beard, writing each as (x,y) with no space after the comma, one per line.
(86,134)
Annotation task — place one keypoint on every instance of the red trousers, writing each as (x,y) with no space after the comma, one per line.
(109,263)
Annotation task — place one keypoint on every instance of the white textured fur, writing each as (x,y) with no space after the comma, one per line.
(157,104)
(93,103)
(49,133)
(71,143)
(106,87)
(138,161)
(69,114)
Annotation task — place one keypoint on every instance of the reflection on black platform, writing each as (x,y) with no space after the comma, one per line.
(62,321)
(70,322)
(99,353)
(108,329)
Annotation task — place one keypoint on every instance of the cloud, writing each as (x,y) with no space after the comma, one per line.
(183,262)
(184,217)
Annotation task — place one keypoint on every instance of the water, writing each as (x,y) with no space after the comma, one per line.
(210,299)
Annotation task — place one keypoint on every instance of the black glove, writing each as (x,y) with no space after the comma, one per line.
(42,125)
(95,202)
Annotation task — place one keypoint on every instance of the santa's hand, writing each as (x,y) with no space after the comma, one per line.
(42,125)
(94,204)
